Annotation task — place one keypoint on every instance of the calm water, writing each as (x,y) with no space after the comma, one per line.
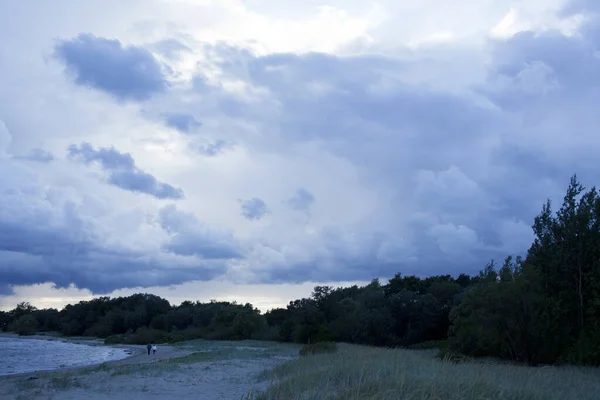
(30,355)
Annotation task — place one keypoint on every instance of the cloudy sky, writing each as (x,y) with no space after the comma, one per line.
(249,149)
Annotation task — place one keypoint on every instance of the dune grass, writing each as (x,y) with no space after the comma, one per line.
(358,372)
(206,350)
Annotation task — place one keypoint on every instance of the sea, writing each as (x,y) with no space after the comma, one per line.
(31,355)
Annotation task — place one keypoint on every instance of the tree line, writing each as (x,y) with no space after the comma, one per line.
(543,308)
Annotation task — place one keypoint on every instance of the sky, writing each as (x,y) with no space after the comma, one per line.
(251,149)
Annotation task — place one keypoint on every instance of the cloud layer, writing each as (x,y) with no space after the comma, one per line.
(354,155)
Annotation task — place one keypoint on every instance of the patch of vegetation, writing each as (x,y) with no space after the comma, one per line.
(449,355)
(102,367)
(25,325)
(429,345)
(239,349)
(318,348)
(359,372)
(196,357)
(61,381)
(28,384)
(143,336)
(151,369)
(226,352)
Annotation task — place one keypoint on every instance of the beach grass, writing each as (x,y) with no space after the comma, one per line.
(205,350)
(361,372)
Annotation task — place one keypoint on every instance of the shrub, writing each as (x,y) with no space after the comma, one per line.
(144,336)
(189,333)
(99,329)
(114,339)
(25,325)
(585,351)
(318,348)
(448,355)
(429,345)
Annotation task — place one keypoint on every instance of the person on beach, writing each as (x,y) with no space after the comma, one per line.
(149,346)
(153,349)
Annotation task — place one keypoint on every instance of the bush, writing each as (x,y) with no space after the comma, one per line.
(585,351)
(219,333)
(270,335)
(25,325)
(318,348)
(448,355)
(144,336)
(98,330)
(114,339)
(189,333)
(429,345)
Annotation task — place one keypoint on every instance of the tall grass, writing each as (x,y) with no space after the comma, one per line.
(358,372)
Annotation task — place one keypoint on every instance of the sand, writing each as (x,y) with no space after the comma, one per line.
(191,370)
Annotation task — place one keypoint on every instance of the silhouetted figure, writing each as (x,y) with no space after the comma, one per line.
(149,346)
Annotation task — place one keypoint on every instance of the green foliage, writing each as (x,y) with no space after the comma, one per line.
(545,308)
(448,355)
(144,336)
(25,325)
(429,345)
(586,350)
(5,319)
(318,348)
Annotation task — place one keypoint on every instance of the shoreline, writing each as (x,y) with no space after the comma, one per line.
(219,370)
(131,351)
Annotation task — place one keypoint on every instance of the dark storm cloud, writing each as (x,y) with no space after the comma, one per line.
(211,149)
(37,251)
(184,123)
(254,209)
(190,237)
(122,171)
(125,72)
(302,200)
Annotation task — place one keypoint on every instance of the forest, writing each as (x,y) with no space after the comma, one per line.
(542,308)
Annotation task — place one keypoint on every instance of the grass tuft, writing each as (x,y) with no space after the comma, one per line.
(451,356)
(61,381)
(318,348)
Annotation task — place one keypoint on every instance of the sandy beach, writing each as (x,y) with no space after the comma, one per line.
(196,369)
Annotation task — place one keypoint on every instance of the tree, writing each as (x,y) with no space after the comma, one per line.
(5,319)
(21,309)
(25,325)
(544,308)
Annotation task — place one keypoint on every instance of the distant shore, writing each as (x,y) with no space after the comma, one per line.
(40,336)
